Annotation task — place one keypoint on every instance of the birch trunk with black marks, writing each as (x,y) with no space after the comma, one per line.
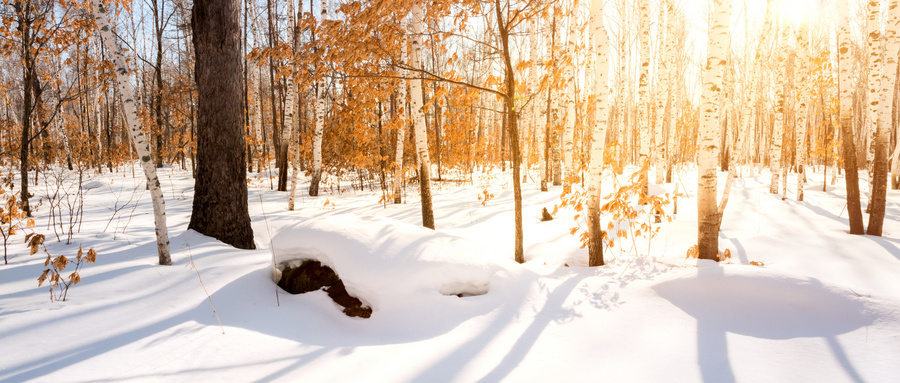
(418,116)
(138,138)
(598,139)
(882,135)
(708,139)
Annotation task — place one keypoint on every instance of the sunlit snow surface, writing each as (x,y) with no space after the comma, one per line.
(825,307)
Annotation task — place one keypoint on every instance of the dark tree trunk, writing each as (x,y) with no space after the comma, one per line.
(854,210)
(220,197)
(27,106)
(879,185)
(513,132)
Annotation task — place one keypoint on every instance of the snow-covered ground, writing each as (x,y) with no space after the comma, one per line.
(825,307)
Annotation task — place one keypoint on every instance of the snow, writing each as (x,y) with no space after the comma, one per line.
(825,307)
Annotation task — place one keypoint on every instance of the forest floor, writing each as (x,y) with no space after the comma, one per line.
(450,305)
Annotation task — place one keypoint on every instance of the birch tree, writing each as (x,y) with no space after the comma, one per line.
(882,135)
(664,93)
(401,129)
(643,95)
(568,138)
(708,140)
(418,115)
(138,138)
(875,64)
(595,168)
(845,64)
(778,129)
(803,107)
(320,122)
(290,105)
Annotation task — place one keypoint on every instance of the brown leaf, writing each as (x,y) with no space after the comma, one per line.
(43,277)
(60,262)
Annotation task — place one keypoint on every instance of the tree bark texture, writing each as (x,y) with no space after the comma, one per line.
(851,170)
(708,140)
(220,193)
(418,112)
(598,138)
(138,138)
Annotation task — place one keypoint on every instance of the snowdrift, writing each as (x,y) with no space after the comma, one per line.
(390,265)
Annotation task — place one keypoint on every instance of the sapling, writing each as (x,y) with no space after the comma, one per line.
(632,212)
(55,266)
(11,217)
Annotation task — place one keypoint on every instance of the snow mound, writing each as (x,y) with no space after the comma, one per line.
(389,264)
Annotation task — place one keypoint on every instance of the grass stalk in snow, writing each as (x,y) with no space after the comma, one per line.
(194,267)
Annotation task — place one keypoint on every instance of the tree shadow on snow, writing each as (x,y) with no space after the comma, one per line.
(767,308)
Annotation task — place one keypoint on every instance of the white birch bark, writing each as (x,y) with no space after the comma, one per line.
(622,81)
(401,127)
(891,36)
(320,124)
(662,96)
(418,115)
(778,129)
(873,32)
(123,82)
(533,87)
(290,106)
(643,94)
(708,140)
(802,107)
(882,136)
(568,138)
(598,138)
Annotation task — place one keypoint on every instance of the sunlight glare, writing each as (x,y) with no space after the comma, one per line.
(799,12)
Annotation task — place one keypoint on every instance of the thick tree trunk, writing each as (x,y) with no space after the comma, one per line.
(708,140)
(139,139)
(882,136)
(220,197)
(845,64)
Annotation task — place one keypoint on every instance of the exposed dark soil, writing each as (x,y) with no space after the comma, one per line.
(311,276)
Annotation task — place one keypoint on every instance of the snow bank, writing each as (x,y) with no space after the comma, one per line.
(389,264)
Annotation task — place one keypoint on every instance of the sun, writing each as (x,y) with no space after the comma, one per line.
(799,12)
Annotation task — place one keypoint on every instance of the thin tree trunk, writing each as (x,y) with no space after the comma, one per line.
(292,114)
(418,114)
(568,99)
(401,127)
(644,125)
(123,83)
(598,138)
(320,125)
